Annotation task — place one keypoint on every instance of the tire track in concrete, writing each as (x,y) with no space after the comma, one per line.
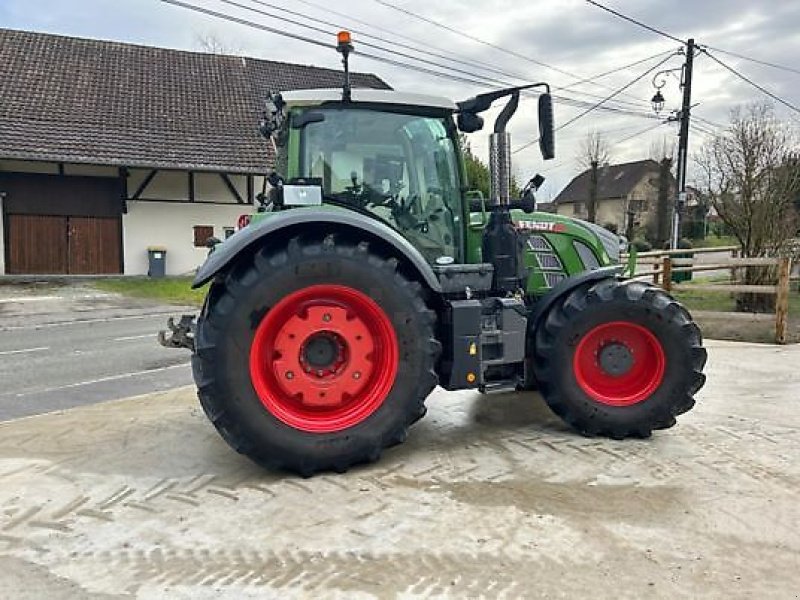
(385,575)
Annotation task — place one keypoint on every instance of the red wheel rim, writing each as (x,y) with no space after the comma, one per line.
(619,363)
(324,358)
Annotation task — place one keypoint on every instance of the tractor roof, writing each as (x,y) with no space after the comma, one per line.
(319,96)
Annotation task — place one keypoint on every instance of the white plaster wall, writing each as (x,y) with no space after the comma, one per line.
(170,224)
(2,241)
(174,185)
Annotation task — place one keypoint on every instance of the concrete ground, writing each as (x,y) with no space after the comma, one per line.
(491,496)
(70,344)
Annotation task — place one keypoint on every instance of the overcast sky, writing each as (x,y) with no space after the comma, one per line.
(571,35)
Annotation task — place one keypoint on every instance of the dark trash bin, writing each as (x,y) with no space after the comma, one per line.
(156,261)
(682,276)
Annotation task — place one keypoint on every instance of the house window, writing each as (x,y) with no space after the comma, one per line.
(229,231)
(201,235)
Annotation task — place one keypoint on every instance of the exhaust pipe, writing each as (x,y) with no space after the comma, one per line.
(500,167)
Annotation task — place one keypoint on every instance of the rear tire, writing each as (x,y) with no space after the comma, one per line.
(619,359)
(316,356)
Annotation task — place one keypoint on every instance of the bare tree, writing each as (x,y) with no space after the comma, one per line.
(594,152)
(210,42)
(752,173)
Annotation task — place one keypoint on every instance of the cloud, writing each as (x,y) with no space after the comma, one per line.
(568,34)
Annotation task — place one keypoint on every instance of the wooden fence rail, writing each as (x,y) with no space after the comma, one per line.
(665,264)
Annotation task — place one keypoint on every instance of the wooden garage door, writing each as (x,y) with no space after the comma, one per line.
(41,244)
(94,245)
(37,245)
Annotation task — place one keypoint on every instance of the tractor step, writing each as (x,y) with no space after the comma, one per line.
(508,385)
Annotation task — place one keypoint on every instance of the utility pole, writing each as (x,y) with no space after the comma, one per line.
(683,142)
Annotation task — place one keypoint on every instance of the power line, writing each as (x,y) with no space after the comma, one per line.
(452,56)
(485,43)
(469,78)
(638,133)
(437,51)
(470,74)
(599,104)
(699,129)
(709,122)
(231,18)
(751,82)
(712,57)
(634,21)
(302,38)
(361,42)
(616,70)
(755,60)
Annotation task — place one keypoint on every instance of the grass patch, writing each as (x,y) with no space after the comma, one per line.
(717,301)
(724,328)
(169,290)
(724,301)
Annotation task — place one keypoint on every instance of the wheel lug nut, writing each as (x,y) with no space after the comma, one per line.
(357,375)
(326,317)
(289,375)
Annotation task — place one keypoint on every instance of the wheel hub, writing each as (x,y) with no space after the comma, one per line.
(322,351)
(616,359)
(619,363)
(324,358)
(322,355)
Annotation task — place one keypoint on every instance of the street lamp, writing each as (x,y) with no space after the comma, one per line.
(683,116)
(658,102)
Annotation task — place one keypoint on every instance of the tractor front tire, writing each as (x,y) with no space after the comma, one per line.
(314,356)
(619,359)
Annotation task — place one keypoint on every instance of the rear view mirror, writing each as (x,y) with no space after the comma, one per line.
(547,134)
(300,120)
(469,122)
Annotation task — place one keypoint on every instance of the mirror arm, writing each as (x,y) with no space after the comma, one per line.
(482,102)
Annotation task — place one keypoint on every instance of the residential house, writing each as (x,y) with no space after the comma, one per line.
(627,195)
(108,149)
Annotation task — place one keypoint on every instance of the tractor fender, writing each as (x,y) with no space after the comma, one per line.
(245,239)
(565,286)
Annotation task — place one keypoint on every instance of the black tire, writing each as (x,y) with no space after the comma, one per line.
(225,331)
(584,309)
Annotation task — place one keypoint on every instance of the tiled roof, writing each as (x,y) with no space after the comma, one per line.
(614,181)
(69,99)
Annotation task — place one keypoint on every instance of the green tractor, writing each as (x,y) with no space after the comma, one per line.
(371,274)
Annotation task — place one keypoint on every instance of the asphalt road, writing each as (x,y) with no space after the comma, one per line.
(67,346)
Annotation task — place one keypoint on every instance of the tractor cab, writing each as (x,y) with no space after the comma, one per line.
(390,156)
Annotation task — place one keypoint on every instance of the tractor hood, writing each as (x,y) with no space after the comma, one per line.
(589,232)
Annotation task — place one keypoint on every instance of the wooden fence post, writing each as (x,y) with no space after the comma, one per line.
(782,300)
(655,273)
(666,274)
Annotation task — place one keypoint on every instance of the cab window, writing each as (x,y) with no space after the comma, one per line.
(400,168)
